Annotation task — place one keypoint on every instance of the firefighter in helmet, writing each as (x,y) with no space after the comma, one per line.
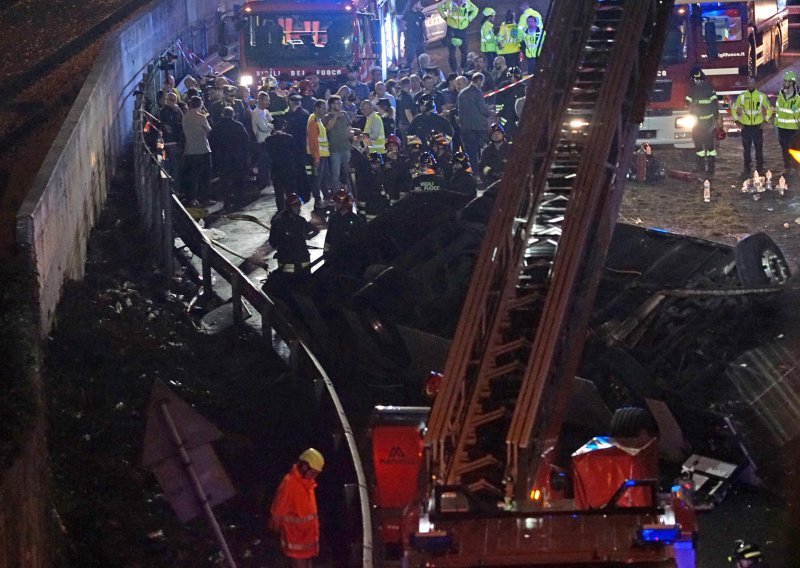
(396,170)
(462,180)
(746,555)
(372,196)
(288,237)
(702,102)
(495,156)
(343,222)
(424,176)
(293,514)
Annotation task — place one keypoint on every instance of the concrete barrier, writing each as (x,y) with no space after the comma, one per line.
(54,222)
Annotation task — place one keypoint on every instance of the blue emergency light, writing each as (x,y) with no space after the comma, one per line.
(664,534)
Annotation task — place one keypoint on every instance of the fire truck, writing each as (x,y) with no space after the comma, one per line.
(290,38)
(504,477)
(729,41)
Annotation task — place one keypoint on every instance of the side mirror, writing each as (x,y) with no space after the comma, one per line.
(375,33)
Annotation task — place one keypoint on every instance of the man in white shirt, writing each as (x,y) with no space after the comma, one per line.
(262,128)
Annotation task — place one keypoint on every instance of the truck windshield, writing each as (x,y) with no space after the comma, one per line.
(675,40)
(298,39)
(721,23)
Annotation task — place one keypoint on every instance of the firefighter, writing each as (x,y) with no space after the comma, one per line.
(457,14)
(702,102)
(462,181)
(439,145)
(532,40)
(751,110)
(424,176)
(787,118)
(343,223)
(373,198)
(507,99)
(288,237)
(488,37)
(396,170)
(428,120)
(746,555)
(294,510)
(495,155)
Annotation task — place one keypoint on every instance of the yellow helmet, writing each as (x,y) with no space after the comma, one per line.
(489,12)
(313,458)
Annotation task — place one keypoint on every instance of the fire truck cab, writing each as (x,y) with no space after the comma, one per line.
(291,39)
(729,41)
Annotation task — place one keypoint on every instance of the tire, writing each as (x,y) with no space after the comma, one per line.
(619,377)
(629,421)
(759,262)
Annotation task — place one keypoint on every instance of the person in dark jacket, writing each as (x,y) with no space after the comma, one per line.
(495,155)
(296,126)
(288,237)
(229,141)
(424,176)
(287,170)
(427,120)
(171,118)
(462,181)
(343,223)
(372,195)
(506,100)
(473,117)
(396,170)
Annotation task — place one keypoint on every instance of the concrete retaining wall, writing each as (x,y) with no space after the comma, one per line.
(54,222)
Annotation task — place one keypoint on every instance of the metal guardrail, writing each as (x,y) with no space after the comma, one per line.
(164,216)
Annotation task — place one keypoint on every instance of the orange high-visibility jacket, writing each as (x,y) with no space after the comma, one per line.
(294,515)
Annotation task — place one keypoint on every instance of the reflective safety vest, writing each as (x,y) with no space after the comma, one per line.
(787,111)
(751,108)
(294,515)
(508,39)
(702,101)
(523,18)
(488,39)
(533,40)
(322,137)
(457,17)
(375,144)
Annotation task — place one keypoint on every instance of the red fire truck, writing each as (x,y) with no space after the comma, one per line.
(729,41)
(292,38)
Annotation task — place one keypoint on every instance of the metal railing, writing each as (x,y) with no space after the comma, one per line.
(164,216)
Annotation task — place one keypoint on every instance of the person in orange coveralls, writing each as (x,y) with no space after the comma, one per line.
(294,510)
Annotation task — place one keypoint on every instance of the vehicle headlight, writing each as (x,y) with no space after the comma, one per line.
(577,123)
(686,122)
(246,80)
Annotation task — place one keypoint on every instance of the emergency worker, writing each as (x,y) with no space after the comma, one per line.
(424,176)
(428,120)
(495,155)
(439,145)
(412,150)
(457,14)
(532,40)
(508,39)
(396,171)
(751,110)
(373,198)
(746,555)
(319,155)
(288,237)
(294,510)
(374,136)
(787,119)
(343,223)
(702,102)
(488,37)
(525,11)
(287,168)
(462,181)
(506,100)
